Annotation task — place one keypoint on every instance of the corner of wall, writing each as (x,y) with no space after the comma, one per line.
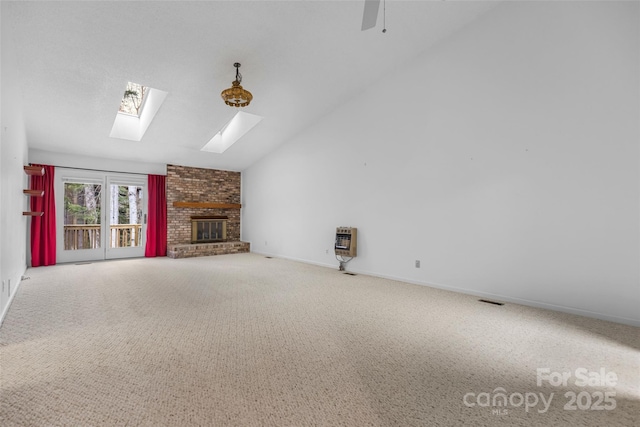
(13,156)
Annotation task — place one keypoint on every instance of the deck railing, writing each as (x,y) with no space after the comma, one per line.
(87,236)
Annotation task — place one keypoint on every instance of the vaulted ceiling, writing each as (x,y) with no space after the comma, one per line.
(300,59)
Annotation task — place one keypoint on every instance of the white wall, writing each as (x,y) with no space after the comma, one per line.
(505,159)
(13,156)
(95,163)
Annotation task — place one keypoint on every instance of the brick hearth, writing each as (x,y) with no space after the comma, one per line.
(206,249)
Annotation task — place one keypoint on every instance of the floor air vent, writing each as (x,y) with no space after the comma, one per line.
(491,302)
(268,257)
(351,274)
(83,263)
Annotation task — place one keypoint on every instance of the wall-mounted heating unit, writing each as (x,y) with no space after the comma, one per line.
(346,245)
(346,241)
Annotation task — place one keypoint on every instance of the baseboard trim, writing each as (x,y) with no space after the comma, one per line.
(13,295)
(505,298)
(304,261)
(515,300)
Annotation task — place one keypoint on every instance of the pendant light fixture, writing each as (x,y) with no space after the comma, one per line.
(236,96)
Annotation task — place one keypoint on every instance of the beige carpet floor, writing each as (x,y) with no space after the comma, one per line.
(243,340)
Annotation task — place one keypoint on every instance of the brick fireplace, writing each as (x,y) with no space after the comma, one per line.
(206,195)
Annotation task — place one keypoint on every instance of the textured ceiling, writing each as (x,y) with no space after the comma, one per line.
(300,59)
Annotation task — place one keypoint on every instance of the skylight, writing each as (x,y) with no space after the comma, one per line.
(239,125)
(138,107)
(133,99)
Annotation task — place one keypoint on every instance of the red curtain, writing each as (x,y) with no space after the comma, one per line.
(43,228)
(157,220)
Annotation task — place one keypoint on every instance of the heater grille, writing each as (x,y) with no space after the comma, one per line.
(490,302)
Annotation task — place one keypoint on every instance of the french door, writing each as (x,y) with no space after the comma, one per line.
(99,215)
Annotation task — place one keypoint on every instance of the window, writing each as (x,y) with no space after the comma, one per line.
(133,99)
(138,107)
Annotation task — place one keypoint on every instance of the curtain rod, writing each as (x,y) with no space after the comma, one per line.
(98,170)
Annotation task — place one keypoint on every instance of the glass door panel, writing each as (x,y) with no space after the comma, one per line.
(126,217)
(82,216)
(79,216)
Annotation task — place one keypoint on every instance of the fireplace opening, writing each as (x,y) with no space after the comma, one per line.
(207,229)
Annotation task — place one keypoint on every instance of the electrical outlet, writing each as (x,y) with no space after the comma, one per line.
(326,251)
(417,263)
(3,286)
(9,293)
(265,243)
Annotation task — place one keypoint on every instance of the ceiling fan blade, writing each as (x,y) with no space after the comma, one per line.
(370,15)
